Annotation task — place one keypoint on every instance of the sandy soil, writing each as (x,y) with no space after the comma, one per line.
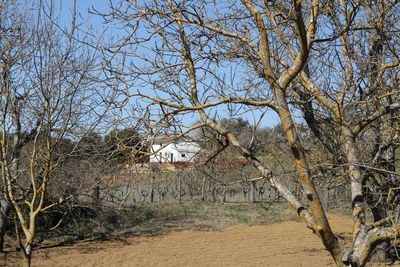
(284,244)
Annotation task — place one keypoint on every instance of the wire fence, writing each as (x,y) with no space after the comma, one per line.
(191,187)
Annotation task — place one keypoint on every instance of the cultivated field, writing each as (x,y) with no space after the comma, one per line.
(285,243)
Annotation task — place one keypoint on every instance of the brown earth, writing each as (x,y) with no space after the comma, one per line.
(284,244)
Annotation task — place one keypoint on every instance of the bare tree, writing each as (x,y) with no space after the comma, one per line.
(363,61)
(321,60)
(48,95)
(13,52)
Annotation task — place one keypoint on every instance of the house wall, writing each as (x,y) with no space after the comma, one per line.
(182,152)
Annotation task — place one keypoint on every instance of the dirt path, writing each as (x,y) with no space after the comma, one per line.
(285,244)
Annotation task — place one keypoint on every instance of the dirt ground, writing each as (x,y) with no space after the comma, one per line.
(284,244)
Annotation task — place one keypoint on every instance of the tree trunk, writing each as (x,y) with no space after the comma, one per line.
(381,253)
(27,256)
(26,261)
(4,210)
(377,201)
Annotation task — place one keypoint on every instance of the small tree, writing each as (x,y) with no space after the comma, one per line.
(48,95)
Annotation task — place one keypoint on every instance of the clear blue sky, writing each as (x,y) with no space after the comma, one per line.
(83,7)
(95,24)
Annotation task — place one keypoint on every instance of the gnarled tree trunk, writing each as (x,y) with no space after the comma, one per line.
(4,210)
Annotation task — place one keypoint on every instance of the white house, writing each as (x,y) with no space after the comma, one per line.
(164,150)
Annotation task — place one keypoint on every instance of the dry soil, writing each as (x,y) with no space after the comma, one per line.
(284,244)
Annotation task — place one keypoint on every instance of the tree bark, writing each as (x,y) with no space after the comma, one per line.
(5,208)
(381,253)
(27,256)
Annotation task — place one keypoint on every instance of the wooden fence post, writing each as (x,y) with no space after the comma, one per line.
(179,188)
(152,189)
(203,190)
(252,193)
